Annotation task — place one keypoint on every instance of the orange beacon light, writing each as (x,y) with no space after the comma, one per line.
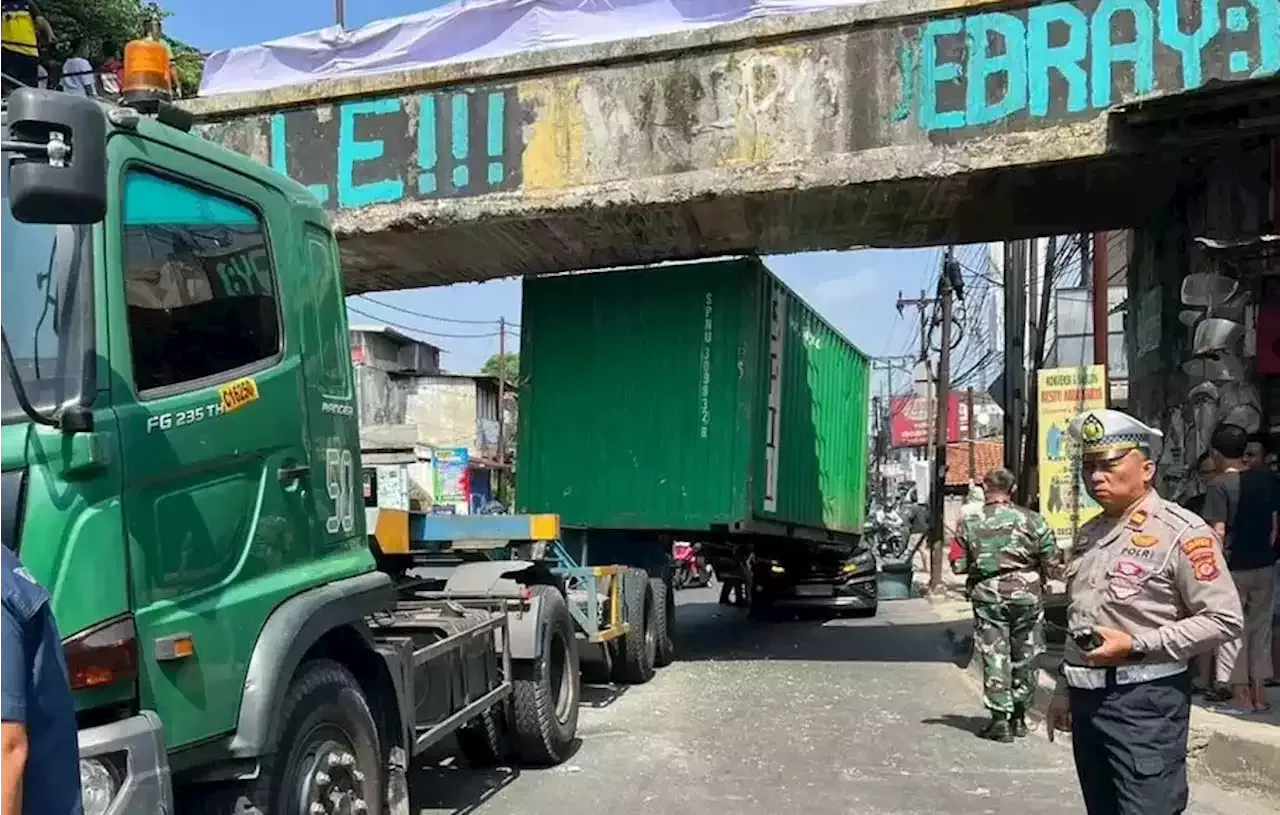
(146,73)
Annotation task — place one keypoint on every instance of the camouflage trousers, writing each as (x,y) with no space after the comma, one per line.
(1009,636)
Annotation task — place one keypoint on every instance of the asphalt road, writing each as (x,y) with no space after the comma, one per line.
(825,716)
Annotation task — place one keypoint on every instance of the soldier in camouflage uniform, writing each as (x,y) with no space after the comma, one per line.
(1009,552)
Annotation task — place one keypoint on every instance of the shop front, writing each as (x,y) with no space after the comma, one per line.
(1202,332)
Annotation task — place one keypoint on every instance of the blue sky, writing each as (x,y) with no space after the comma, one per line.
(856,291)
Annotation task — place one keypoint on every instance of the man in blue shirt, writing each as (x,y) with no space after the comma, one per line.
(39,757)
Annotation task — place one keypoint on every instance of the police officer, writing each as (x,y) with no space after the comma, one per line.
(1008,553)
(1147,589)
(39,757)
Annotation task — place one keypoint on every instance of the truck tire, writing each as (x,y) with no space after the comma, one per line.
(664,621)
(328,743)
(546,691)
(638,649)
(482,740)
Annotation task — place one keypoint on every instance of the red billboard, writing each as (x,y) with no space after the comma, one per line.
(909,421)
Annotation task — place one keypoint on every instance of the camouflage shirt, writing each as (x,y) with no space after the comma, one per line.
(1009,552)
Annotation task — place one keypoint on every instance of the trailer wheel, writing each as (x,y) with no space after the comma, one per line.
(638,649)
(482,740)
(327,757)
(664,621)
(547,690)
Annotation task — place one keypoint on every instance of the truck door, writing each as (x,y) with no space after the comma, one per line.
(207,382)
(330,398)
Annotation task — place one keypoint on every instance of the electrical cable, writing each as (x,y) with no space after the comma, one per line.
(426,316)
(415,330)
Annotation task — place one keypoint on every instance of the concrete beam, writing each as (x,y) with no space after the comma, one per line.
(898,123)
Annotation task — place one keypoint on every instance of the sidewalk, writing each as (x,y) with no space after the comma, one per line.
(1235,752)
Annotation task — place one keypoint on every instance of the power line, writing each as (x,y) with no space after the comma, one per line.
(415,330)
(423,315)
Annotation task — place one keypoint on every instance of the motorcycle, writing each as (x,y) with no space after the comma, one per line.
(887,532)
(691,569)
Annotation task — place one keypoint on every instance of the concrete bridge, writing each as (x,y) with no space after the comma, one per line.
(895,123)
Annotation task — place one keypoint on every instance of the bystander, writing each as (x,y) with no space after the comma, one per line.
(26,38)
(1205,472)
(39,759)
(77,71)
(1241,508)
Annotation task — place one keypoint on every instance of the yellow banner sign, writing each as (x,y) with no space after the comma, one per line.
(1063,394)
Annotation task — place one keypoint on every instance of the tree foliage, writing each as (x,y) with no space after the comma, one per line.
(106,25)
(512,368)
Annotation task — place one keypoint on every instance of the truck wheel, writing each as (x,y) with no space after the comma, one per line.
(638,649)
(547,690)
(481,739)
(664,621)
(327,757)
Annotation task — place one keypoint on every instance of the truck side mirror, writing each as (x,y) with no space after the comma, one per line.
(58,167)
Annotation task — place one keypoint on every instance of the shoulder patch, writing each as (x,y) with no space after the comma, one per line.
(1194,545)
(1206,569)
(1203,556)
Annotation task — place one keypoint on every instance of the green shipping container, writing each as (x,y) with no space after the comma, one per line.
(689,397)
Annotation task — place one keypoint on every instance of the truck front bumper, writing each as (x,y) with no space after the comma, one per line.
(132,752)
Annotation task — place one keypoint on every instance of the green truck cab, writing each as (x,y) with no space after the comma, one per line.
(181,464)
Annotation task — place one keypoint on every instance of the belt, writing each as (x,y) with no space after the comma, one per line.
(1078,676)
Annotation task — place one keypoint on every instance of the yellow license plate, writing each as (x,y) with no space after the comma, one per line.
(237,394)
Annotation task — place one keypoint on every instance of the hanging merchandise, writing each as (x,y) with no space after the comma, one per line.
(1216,336)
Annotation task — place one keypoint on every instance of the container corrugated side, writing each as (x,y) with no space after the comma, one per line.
(812,461)
(637,407)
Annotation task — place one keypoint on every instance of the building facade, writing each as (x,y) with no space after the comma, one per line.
(412,412)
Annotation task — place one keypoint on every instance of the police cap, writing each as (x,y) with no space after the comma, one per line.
(1111,434)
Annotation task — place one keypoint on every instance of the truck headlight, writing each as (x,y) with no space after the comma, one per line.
(862,562)
(98,785)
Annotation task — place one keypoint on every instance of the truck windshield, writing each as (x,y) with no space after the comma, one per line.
(43,269)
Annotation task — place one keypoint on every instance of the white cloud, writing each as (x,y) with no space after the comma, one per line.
(856,286)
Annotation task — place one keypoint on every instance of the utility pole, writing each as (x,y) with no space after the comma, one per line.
(950,284)
(888,365)
(891,364)
(1028,478)
(1100,298)
(877,448)
(1015,327)
(502,396)
(340,13)
(921,303)
(973,444)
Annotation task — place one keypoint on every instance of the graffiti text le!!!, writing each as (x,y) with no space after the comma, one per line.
(379,151)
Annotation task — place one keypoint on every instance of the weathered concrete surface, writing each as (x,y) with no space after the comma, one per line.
(811,716)
(897,123)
